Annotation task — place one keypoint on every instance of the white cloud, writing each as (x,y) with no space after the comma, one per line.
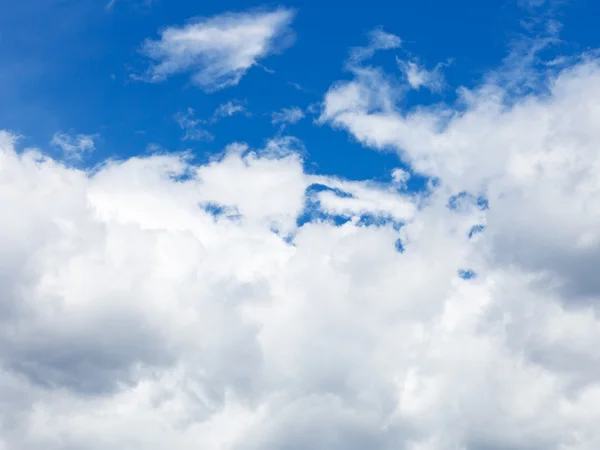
(287,115)
(74,146)
(218,51)
(534,157)
(529,155)
(158,304)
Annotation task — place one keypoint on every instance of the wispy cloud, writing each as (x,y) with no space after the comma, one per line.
(195,128)
(228,109)
(192,126)
(297,86)
(301,88)
(218,51)
(532,3)
(417,76)
(74,146)
(378,40)
(287,115)
(111,4)
(400,177)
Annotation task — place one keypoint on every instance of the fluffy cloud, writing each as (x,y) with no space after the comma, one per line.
(245,303)
(158,289)
(74,146)
(218,51)
(534,158)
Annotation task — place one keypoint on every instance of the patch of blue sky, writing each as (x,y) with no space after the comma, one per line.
(476,229)
(313,212)
(464,199)
(467,274)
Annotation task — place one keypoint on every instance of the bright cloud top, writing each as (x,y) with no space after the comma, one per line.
(218,51)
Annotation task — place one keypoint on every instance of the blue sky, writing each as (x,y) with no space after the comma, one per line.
(302,225)
(67,67)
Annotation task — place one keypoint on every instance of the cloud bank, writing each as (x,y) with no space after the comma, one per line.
(245,303)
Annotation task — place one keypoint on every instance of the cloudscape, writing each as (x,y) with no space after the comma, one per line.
(314,225)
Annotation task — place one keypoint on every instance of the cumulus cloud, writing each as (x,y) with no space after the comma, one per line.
(245,303)
(534,157)
(74,146)
(287,115)
(218,51)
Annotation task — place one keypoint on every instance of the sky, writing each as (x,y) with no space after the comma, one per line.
(303,225)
